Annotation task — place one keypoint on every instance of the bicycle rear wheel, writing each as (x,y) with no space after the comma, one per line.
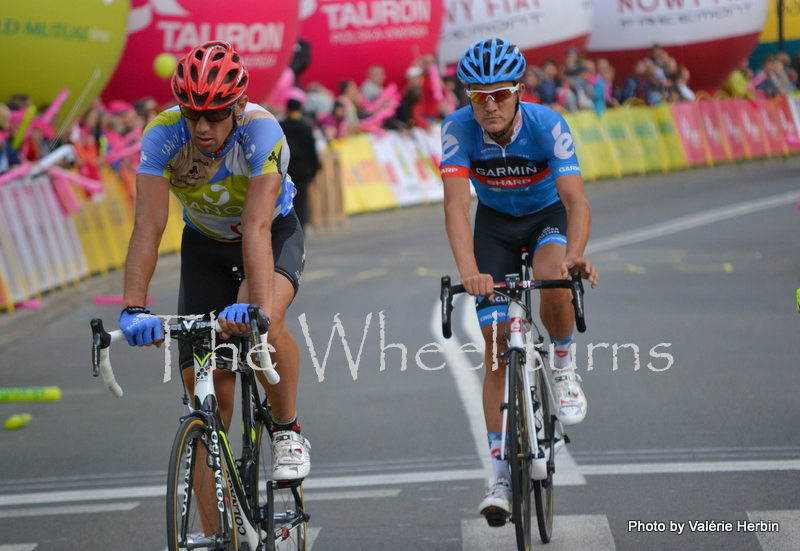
(195,517)
(520,452)
(543,489)
(284,506)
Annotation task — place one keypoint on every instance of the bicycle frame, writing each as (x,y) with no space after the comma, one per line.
(518,321)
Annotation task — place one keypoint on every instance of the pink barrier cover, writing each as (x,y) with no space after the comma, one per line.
(689,128)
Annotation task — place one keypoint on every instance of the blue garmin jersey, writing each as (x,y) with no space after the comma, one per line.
(212,188)
(519,178)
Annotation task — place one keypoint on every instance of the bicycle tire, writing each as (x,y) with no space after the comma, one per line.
(190,478)
(278,502)
(543,491)
(520,452)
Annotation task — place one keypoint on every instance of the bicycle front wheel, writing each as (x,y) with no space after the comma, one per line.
(520,452)
(284,505)
(199,506)
(543,489)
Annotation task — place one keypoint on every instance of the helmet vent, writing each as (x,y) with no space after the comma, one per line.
(212,75)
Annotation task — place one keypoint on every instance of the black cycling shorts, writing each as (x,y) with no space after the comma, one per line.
(211,271)
(499,240)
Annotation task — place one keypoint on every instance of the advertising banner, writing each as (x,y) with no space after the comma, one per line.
(669,136)
(592,146)
(264,34)
(52,45)
(364,183)
(348,36)
(773,132)
(541,28)
(732,127)
(714,131)
(752,126)
(645,129)
(709,37)
(689,127)
(789,122)
(627,150)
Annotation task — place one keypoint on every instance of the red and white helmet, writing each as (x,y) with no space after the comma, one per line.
(211,76)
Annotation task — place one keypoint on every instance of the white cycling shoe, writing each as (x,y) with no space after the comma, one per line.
(290,456)
(570,400)
(496,504)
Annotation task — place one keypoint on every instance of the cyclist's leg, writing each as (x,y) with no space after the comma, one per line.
(496,246)
(556,312)
(208,283)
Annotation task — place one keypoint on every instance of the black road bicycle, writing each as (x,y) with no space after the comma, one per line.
(214,499)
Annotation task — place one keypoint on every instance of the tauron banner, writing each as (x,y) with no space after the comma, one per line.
(263,33)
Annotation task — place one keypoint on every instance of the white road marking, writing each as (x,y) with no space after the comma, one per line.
(680,467)
(470,388)
(569,532)
(362,494)
(68,510)
(19,547)
(787,538)
(691,221)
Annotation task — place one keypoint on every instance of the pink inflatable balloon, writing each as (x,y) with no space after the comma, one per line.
(348,36)
(263,33)
(709,37)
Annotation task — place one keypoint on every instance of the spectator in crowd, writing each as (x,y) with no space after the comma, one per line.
(20,101)
(532,81)
(409,112)
(639,84)
(549,84)
(660,59)
(739,83)
(350,98)
(335,125)
(598,86)
(8,155)
(685,93)
(372,87)
(612,93)
(765,81)
(572,62)
(584,93)
(303,158)
(319,100)
(432,105)
(147,109)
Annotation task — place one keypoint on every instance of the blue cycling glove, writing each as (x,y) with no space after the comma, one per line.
(236,313)
(139,326)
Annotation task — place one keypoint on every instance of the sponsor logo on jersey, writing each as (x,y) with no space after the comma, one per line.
(564,146)
(449,142)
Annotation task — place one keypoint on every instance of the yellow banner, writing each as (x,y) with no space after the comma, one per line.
(669,136)
(592,145)
(623,141)
(364,184)
(645,129)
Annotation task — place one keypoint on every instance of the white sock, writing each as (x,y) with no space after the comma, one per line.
(499,466)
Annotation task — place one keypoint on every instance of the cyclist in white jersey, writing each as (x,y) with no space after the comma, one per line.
(521,160)
(225,160)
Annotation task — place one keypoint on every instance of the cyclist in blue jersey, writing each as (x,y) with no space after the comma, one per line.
(521,160)
(226,161)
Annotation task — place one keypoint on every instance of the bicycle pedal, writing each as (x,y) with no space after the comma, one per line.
(495,516)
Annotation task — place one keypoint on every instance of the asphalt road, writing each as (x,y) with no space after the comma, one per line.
(692,389)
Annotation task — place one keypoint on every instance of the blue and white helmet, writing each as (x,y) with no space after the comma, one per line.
(489,61)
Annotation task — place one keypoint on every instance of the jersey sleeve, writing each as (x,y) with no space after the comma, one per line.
(455,151)
(161,142)
(265,147)
(555,139)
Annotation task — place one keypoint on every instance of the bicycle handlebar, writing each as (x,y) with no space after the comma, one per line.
(575,285)
(102,340)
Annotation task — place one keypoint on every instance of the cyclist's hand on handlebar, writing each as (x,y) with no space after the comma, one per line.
(478,285)
(140,327)
(588,271)
(234,319)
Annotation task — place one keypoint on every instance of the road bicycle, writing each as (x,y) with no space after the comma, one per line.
(214,499)
(531,432)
